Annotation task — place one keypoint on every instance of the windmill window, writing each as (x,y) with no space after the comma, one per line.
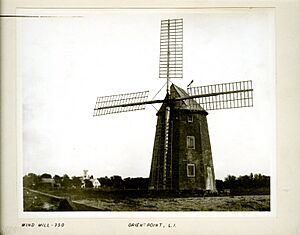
(190,118)
(190,142)
(191,170)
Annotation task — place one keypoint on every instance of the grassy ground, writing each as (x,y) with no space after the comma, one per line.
(237,203)
(105,201)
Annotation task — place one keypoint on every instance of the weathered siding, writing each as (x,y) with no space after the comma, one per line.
(179,156)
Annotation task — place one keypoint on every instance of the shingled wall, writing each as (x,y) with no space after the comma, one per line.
(179,155)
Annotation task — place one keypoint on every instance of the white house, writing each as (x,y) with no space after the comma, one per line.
(96,183)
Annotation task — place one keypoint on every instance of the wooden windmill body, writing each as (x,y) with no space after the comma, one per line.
(182,156)
(188,164)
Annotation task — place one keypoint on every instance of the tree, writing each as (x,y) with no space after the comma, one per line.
(244,181)
(117,182)
(88,183)
(136,183)
(220,185)
(105,181)
(46,175)
(76,181)
(31,180)
(57,179)
(65,182)
(229,181)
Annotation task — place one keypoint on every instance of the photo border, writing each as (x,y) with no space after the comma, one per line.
(285,220)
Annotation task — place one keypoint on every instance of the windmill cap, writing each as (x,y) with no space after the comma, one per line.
(186,104)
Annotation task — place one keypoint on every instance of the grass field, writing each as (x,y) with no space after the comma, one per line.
(109,202)
(237,203)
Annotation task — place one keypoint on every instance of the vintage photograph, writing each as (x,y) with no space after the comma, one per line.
(146,110)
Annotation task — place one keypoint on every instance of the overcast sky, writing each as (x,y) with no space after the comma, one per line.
(65,63)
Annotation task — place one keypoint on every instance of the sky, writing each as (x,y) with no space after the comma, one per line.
(66,62)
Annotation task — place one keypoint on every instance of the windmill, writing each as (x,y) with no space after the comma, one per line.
(182,157)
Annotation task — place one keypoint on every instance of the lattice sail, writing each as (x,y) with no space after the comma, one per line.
(171,40)
(224,96)
(120,103)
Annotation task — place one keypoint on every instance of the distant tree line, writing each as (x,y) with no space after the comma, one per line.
(242,185)
(246,184)
(115,182)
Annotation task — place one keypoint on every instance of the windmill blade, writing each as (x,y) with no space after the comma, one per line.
(120,103)
(171,38)
(223,96)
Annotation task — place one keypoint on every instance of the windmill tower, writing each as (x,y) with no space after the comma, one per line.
(188,164)
(182,156)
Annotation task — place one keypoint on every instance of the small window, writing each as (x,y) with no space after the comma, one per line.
(190,118)
(191,170)
(190,142)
